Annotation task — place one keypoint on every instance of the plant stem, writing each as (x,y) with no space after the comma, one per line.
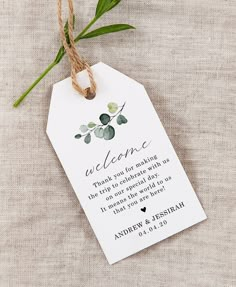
(52,65)
(85,29)
(21,98)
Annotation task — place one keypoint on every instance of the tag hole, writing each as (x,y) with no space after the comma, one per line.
(90,95)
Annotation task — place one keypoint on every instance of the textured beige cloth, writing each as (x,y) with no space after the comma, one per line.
(184,52)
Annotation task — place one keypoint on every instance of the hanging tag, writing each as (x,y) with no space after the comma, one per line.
(120,163)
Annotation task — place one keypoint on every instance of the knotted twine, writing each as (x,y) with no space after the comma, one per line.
(77,63)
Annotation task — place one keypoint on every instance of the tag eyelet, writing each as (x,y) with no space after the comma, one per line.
(90,95)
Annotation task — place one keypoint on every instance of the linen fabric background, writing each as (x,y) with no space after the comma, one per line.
(184,52)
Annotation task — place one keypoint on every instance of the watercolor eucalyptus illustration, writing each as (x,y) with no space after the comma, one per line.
(105,129)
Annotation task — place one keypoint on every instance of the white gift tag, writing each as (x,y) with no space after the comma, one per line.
(121,163)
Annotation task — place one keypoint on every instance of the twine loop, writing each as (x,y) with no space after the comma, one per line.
(76,61)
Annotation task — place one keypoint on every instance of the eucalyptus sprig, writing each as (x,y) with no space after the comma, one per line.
(103,6)
(103,130)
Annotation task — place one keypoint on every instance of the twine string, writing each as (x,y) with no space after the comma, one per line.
(76,61)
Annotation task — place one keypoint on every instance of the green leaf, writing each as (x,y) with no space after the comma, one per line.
(99,133)
(91,125)
(66,29)
(121,120)
(107,30)
(78,136)
(113,4)
(101,7)
(105,119)
(60,55)
(112,107)
(83,128)
(87,139)
(109,133)
(105,5)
